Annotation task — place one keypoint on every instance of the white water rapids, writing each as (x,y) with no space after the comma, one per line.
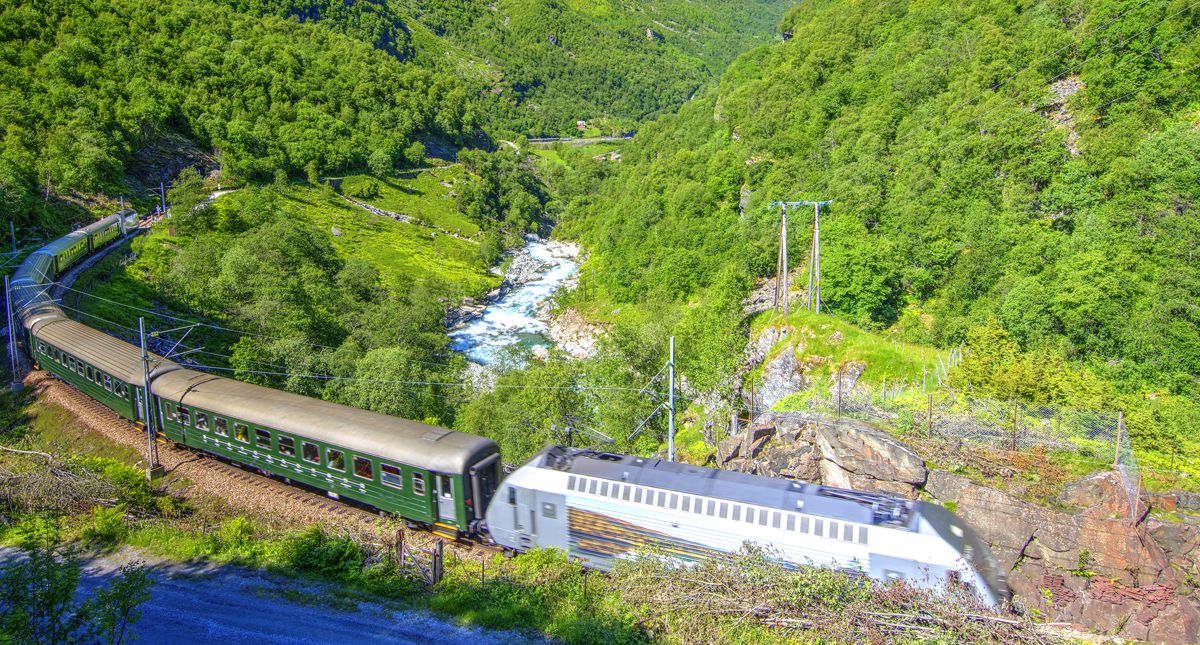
(513,318)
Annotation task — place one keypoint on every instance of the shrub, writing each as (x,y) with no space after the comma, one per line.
(314,552)
(108,525)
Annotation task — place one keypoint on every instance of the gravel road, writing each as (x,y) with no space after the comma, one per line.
(207,603)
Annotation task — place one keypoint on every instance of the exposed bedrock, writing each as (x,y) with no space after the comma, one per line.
(1091,567)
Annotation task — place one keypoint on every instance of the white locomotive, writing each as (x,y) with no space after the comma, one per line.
(601,507)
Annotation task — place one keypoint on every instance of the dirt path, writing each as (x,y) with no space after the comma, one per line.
(207,603)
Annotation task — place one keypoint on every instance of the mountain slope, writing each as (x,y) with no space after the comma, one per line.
(1032,162)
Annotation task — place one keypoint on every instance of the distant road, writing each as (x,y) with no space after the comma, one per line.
(575,143)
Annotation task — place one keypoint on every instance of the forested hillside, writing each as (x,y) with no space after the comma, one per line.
(1016,171)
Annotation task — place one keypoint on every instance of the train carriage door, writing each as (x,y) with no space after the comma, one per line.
(444,489)
(141,410)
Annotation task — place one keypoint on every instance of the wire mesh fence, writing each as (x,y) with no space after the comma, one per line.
(1095,436)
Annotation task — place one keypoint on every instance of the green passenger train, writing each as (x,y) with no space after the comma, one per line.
(423,473)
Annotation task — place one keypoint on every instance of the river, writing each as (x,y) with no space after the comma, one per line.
(539,269)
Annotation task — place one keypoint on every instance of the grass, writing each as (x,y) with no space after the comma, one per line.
(403,252)
(427,196)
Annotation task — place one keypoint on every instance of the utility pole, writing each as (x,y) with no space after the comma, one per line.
(152,466)
(781,260)
(162,194)
(814,262)
(671,404)
(12,334)
(12,234)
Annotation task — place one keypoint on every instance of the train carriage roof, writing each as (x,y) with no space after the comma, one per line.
(112,355)
(855,506)
(101,224)
(63,243)
(370,433)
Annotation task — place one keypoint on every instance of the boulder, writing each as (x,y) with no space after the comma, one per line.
(846,378)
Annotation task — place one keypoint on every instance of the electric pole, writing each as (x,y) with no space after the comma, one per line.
(12,334)
(152,466)
(671,404)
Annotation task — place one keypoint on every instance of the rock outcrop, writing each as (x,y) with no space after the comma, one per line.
(1091,567)
(781,377)
(846,453)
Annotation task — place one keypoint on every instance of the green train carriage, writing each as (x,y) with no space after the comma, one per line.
(423,473)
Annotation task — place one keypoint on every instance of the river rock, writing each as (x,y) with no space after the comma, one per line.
(573,334)
(1124,585)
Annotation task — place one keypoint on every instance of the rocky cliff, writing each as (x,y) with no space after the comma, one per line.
(1081,562)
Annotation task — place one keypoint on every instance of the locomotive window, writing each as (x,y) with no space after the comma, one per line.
(847,533)
(549,511)
(512,496)
(221,426)
(185,417)
(362,468)
(791,523)
(241,432)
(775,519)
(804,525)
(388,474)
(724,510)
(313,454)
(862,535)
(201,421)
(418,484)
(287,446)
(262,438)
(334,460)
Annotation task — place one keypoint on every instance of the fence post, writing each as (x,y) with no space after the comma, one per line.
(883,394)
(839,378)
(437,561)
(1013,443)
(929,417)
(1117,445)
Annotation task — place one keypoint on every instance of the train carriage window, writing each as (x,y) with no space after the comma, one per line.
(791,523)
(107,382)
(603,489)
(847,533)
(862,535)
(362,468)
(241,432)
(750,515)
(512,495)
(262,438)
(592,486)
(804,525)
(763,516)
(312,453)
(201,421)
(418,481)
(626,493)
(833,530)
(819,528)
(185,417)
(724,510)
(221,426)
(71,363)
(637,496)
(674,501)
(685,503)
(615,491)
(287,446)
(41,347)
(334,460)
(775,519)
(170,412)
(737,513)
(571,482)
(712,508)
(388,474)
(89,374)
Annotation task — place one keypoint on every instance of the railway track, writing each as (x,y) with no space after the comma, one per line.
(235,484)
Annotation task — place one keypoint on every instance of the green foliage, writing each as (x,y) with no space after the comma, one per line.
(37,601)
(314,552)
(108,525)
